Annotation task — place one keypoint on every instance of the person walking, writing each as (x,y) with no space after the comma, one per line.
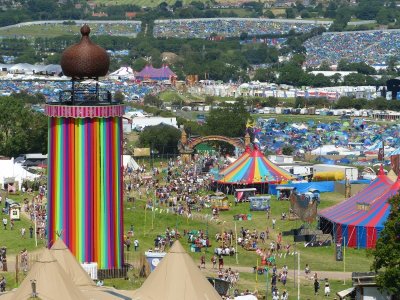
(316,286)
(220,262)
(327,288)
(5,223)
(202,262)
(31,232)
(136,244)
(214,261)
(285,295)
(273,223)
(3,284)
(128,243)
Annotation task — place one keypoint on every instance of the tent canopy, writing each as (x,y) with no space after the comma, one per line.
(129,162)
(51,281)
(149,72)
(69,264)
(252,168)
(359,219)
(176,278)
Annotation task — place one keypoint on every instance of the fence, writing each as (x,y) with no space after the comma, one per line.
(23,265)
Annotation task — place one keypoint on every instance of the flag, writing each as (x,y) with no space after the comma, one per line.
(381,152)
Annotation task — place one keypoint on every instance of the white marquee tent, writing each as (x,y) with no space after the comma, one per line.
(9,169)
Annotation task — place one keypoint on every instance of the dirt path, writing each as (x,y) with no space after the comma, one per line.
(335,275)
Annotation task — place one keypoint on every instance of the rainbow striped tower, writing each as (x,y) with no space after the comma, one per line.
(85,163)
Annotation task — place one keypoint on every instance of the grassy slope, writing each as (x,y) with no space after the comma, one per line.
(318,258)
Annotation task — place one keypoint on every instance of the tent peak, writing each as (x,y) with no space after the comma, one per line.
(177,248)
(59,245)
(381,171)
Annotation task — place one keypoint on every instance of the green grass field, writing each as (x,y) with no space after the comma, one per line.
(148,224)
(54,30)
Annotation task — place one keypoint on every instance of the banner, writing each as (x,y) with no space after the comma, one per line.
(141,152)
(154,258)
(394,162)
(381,152)
(339,252)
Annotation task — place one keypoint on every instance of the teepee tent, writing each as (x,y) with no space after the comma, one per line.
(176,278)
(69,264)
(51,281)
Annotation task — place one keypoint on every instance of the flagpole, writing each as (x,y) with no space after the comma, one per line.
(236,250)
(298,276)
(145,219)
(34,211)
(344,260)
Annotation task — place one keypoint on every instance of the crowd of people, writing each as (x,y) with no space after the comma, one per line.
(229,27)
(180,190)
(372,47)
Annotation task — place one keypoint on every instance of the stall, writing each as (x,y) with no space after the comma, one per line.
(242,195)
(283,192)
(260,203)
(13,209)
(219,201)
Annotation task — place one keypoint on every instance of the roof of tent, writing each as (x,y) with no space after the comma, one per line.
(10,169)
(176,278)
(255,168)
(123,72)
(149,72)
(51,281)
(237,162)
(129,161)
(69,264)
(375,196)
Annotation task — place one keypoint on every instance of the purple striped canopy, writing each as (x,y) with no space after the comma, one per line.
(149,72)
(359,219)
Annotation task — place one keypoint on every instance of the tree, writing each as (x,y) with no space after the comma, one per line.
(336,78)
(287,150)
(119,96)
(354,79)
(290,13)
(152,100)
(163,138)
(178,4)
(229,120)
(243,36)
(387,251)
(325,66)
(391,63)
(269,14)
(209,100)
(21,129)
(264,75)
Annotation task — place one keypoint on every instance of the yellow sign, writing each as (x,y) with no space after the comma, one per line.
(141,152)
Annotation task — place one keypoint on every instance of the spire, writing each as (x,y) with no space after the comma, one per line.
(381,171)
